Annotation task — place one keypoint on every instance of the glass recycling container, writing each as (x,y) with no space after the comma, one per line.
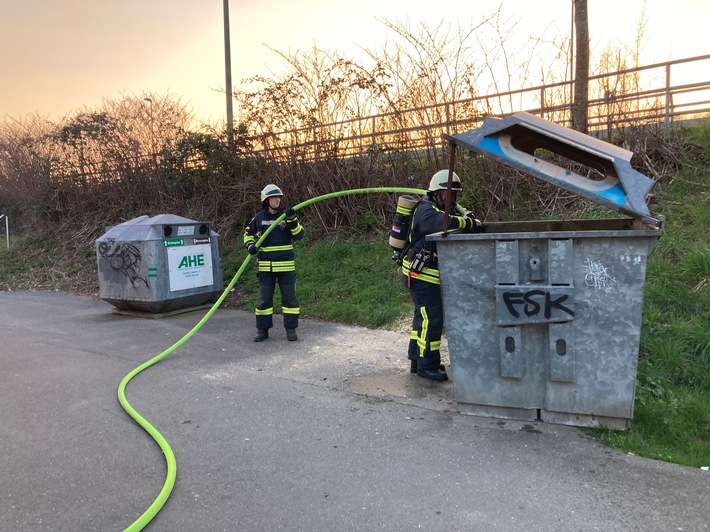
(159,265)
(543,318)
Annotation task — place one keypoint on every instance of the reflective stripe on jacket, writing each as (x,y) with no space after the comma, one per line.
(428,218)
(276,252)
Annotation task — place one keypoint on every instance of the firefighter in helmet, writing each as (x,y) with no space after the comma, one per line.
(421,274)
(275,262)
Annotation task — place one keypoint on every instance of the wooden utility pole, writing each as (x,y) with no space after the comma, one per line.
(228,73)
(580,105)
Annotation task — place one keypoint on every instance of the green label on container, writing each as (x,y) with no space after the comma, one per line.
(172,242)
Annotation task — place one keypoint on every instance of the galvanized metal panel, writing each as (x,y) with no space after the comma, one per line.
(593,382)
(473,339)
(609,279)
(560,261)
(512,362)
(561,352)
(507,269)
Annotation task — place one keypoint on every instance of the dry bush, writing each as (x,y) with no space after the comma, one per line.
(144,155)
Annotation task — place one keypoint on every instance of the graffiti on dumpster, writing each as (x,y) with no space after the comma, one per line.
(533,302)
(123,258)
(521,304)
(598,275)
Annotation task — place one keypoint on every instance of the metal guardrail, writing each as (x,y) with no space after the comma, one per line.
(631,97)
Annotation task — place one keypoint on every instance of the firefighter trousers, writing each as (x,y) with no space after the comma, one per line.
(427,324)
(265,305)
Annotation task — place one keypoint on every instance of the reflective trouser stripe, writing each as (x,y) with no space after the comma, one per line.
(264,312)
(421,341)
(276,266)
(290,310)
(434,345)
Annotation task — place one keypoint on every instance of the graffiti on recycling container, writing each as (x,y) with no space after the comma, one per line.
(123,258)
(598,275)
(533,302)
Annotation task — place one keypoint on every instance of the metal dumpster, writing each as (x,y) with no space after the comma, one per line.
(160,265)
(543,318)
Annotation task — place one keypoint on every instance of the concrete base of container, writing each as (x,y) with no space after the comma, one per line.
(558,418)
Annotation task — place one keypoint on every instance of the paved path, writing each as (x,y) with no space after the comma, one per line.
(328,433)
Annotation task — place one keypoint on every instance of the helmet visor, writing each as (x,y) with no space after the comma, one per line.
(444,185)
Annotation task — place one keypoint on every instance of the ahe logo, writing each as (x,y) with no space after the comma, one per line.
(192,261)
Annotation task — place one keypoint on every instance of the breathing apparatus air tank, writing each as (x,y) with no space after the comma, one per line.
(400,224)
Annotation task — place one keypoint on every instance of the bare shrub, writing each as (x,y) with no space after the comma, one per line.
(328,124)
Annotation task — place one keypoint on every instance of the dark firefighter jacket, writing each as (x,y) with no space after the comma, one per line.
(428,218)
(276,251)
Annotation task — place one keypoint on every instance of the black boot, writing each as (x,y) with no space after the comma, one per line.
(413,364)
(291,335)
(261,335)
(433,374)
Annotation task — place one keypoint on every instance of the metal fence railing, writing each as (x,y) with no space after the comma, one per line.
(661,93)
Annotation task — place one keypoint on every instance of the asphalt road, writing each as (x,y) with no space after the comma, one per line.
(328,433)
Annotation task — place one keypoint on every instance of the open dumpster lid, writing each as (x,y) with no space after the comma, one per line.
(514,139)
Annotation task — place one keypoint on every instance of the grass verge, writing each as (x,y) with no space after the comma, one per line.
(342,279)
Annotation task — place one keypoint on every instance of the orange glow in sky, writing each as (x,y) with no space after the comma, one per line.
(60,56)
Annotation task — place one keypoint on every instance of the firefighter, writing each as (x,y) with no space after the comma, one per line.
(421,274)
(275,262)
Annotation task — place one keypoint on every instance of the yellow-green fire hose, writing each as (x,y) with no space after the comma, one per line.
(162,497)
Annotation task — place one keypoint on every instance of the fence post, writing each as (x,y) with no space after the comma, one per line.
(448,118)
(315,144)
(7,230)
(668,95)
(374,133)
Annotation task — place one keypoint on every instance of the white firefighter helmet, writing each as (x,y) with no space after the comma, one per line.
(270,191)
(440,180)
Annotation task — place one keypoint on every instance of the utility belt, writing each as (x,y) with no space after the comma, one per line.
(428,268)
(420,259)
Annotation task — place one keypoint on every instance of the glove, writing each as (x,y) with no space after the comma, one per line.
(470,215)
(290,213)
(251,248)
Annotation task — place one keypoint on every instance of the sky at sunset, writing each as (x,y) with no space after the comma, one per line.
(59,56)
